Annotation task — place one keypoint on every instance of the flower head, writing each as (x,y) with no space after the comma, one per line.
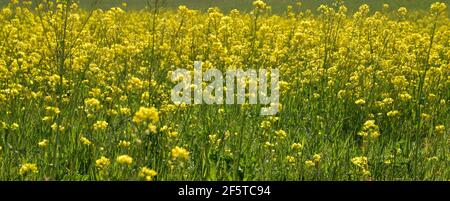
(28,168)
(309,163)
(259,4)
(85,141)
(146,114)
(317,158)
(102,163)
(43,143)
(124,160)
(100,125)
(179,152)
(147,173)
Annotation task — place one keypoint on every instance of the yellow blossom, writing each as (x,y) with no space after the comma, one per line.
(281,133)
(259,4)
(440,129)
(147,173)
(296,146)
(102,163)
(290,159)
(310,163)
(43,143)
(152,128)
(360,102)
(124,143)
(85,141)
(179,152)
(28,168)
(124,160)
(392,113)
(100,125)
(146,114)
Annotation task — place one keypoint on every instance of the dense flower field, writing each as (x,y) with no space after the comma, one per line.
(85,94)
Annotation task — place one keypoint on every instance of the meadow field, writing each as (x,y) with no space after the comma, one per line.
(85,93)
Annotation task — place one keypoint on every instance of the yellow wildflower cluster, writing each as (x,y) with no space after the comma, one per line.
(102,162)
(179,152)
(362,165)
(146,114)
(28,168)
(147,173)
(124,160)
(81,87)
(100,125)
(370,130)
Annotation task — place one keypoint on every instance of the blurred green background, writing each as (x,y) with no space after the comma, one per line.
(278,6)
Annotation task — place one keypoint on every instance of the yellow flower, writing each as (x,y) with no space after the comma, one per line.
(360,161)
(47,119)
(309,163)
(152,128)
(125,111)
(147,173)
(402,11)
(438,7)
(290,159)
(296,146)
(434,158)
(405,97)
(365,172)
(124,143)
(124,160)
(53,110)
(269,145)
(370,124)
(265,124)
(281,133)
(100,125)
(392,113)
(374,134)
(146,114)
(135,83)
(259,4)
(28,168)
(102,163)
(370,129)
(316,158)
(55,127)
(14,126)
(360,102)
(43,143)
(173,134)
(85,141)
(179,152)
(425,116)
(92,103)
(341,94)
(440,129)
(363,134)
